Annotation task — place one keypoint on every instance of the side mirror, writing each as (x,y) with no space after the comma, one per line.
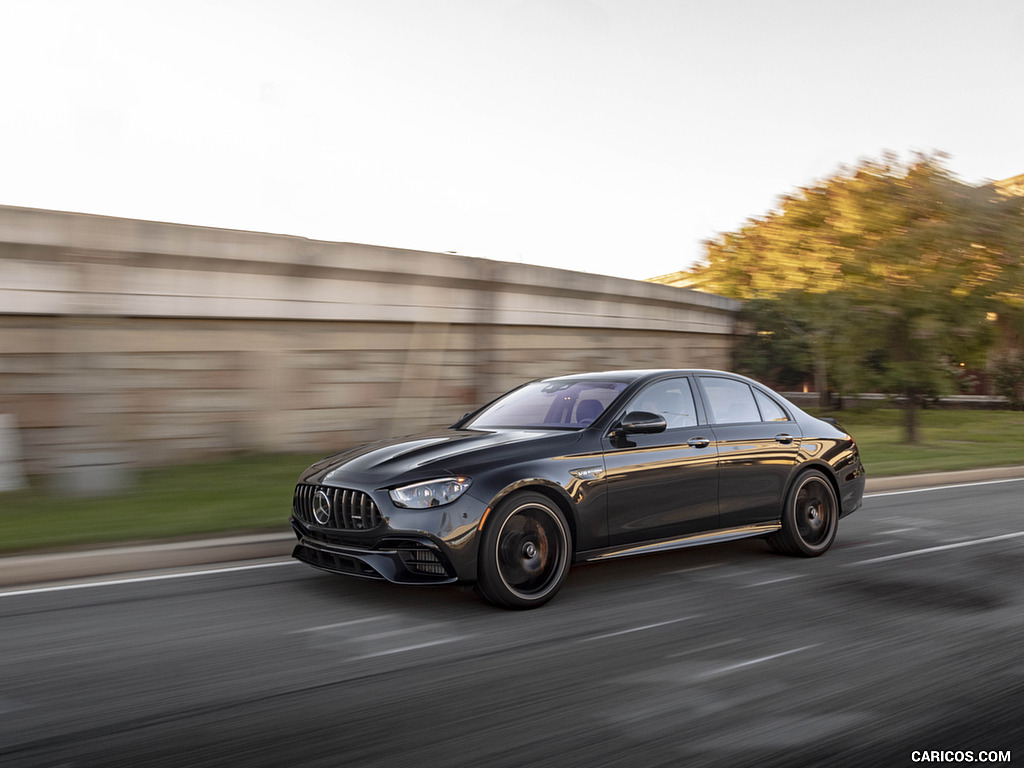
(642,423)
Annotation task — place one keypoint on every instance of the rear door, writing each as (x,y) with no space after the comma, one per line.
(758,446)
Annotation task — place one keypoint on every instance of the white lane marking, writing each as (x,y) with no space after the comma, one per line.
(771,581)
(943,487)
(959,544)
(735,574)
(860,544)
(693,568)
(10,705)
(751,662)
(639,629)
(916,522)
(702,649)
(340,624)
(895,530)
(403,649)
(142,579)
(401,631)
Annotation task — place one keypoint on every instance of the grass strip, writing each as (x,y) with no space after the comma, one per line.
(250,494)
(949,440)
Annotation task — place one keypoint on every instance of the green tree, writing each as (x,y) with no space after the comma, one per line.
(887,271)
(791,339)
(1008,373)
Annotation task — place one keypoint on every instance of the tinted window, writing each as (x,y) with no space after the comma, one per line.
(591,403)
(730,401)
(671,399)
(770,410)
(546,404)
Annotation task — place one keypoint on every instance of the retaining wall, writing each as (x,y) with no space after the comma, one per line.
(139,343)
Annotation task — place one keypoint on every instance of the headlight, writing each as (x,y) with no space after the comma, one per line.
(432,493)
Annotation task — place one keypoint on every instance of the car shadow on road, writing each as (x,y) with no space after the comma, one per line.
(585,580)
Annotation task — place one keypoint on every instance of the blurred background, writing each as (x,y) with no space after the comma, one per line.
(572,149)
(129,344)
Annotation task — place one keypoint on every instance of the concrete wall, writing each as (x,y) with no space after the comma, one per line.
(145,343)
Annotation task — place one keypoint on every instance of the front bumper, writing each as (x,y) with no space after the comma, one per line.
(400,560)
(357,531)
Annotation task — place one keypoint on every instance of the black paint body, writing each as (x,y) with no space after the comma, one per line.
(620,493)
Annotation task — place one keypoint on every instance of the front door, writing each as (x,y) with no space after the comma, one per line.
(666,484)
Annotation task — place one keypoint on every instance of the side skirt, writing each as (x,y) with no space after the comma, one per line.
(664,545)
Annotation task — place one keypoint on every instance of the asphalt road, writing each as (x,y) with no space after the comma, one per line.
(908,636)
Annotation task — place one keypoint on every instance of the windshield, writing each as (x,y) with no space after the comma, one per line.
(559,404)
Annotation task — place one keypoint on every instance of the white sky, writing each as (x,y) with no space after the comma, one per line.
(609,136)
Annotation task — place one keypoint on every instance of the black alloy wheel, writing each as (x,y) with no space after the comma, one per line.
(525,552)
(810,518)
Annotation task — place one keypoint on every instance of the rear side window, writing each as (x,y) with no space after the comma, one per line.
(730,401)
(770,410)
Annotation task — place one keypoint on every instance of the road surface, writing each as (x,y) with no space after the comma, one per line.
(907,637)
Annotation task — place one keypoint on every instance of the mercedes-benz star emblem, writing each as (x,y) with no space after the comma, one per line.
(322,508)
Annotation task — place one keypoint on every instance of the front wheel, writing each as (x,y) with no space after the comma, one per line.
(810,518)
(525,552)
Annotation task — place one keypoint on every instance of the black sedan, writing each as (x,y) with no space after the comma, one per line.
(575,469)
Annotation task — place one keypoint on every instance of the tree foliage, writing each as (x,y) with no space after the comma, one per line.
(884,277)
(1008,373)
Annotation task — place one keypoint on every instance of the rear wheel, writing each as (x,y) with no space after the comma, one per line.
(810,518)
(525,552)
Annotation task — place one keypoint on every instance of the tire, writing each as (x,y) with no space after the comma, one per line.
(810,518)
(525,552)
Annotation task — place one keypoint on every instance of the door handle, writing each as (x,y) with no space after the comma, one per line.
(784,439)
(698,442)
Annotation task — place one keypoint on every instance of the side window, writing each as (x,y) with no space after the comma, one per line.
(671,399)
(730,401)
(770,410)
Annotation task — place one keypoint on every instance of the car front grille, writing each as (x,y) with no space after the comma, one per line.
(338,508)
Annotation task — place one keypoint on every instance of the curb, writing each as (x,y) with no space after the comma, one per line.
(938,479)
(20,570)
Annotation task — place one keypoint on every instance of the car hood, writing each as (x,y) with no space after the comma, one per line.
(407,459)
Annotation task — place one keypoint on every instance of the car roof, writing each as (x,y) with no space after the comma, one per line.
(637,374)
